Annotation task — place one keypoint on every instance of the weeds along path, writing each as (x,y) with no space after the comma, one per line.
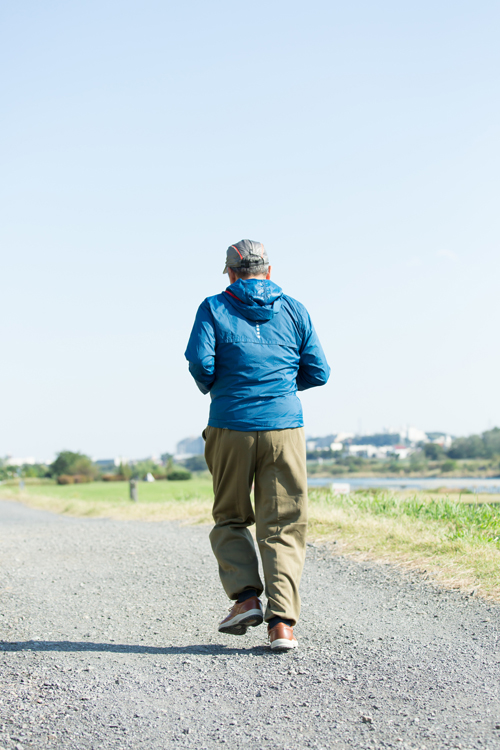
(109,640)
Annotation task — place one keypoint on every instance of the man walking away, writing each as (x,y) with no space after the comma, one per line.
(252,347)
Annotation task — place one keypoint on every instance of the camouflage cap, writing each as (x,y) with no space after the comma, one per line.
(246,254)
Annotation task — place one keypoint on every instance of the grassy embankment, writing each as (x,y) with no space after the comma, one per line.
(456,540)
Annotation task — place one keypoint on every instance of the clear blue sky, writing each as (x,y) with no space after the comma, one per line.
(358,141)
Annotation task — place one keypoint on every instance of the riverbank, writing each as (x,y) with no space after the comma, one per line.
(346,475)
(454,541)
(414,467)
(438,485)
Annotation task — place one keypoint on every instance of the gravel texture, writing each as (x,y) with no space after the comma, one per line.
(109,640)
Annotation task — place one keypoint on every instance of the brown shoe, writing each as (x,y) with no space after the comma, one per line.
(241,616)
(281,637)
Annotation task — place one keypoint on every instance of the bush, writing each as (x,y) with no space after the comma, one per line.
(312,469)
(491,439)
(73,479)
(448,466)
(141,468)
(35,471)
(417,461)
(335,469)
(178,474)
(433,451)
(65,479)
(113,478)
(76,464)
(469,447)
(125,471)
(195,463)
(82,478)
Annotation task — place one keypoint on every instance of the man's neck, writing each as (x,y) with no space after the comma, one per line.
(249,278)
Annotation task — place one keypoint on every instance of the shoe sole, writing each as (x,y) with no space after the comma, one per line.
(283,644)
(240,624)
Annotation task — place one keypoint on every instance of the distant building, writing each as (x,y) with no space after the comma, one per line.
(319,443)
(14,461)
(413,435)
(441,439)
(154,458)
(363,451)
(110,463)
(191,446)
(326,443)
(379,445)
(341,437)
(400,451)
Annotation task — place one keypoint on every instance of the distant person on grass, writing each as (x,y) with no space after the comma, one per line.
(252,348)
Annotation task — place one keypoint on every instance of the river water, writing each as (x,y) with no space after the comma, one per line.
(474,484)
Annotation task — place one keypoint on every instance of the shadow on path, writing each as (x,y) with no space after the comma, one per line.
(125,648)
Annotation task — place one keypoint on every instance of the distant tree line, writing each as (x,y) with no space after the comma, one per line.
(71,467)
(486,445)
(33,471)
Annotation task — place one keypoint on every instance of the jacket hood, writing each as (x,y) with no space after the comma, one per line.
(255,299)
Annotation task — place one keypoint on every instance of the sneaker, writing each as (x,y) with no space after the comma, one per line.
(241,616)
(281,637)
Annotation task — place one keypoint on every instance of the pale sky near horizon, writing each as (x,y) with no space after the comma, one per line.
(358,141)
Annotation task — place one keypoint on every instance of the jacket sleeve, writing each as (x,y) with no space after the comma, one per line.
(313,367)
(200,352)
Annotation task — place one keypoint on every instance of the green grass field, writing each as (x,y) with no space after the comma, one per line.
(118,492)
(183,500)
(456,540)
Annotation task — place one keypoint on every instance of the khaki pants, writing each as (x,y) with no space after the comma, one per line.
(276,460)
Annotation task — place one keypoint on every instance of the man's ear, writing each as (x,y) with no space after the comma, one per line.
(268,275)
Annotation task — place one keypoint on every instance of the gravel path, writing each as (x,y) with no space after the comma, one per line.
(109,640)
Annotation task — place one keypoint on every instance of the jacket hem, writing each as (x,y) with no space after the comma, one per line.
(246,427)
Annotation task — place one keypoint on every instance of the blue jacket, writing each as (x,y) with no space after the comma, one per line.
(252,348)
